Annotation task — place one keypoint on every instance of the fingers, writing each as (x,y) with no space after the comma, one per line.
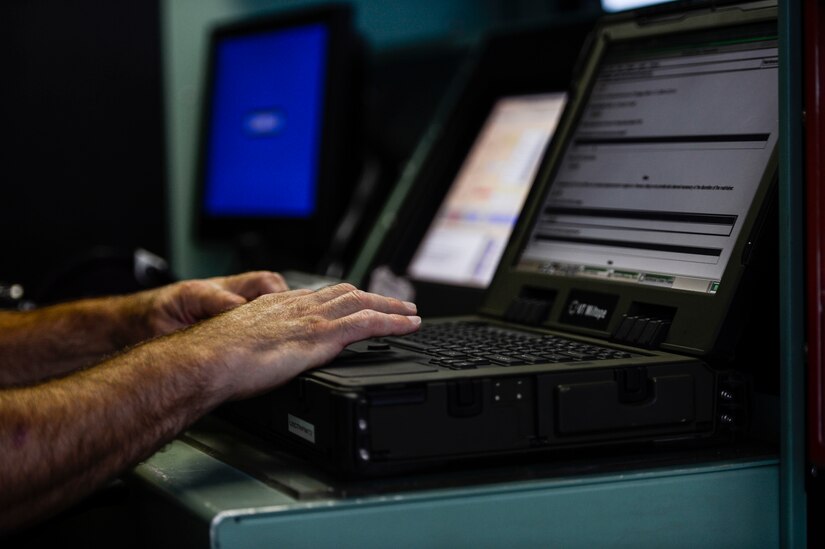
(252,284)
(355,300)
(357,315)
(368,323)
(348,314)
(329,293)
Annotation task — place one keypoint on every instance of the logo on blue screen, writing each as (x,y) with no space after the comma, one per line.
(263,123)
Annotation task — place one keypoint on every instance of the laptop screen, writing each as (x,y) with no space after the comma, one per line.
(266,111)
(663,165)
(467,236)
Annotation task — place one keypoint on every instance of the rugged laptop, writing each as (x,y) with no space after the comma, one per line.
(611,317)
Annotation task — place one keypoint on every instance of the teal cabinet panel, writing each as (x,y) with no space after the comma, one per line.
(725,503)
(736,507)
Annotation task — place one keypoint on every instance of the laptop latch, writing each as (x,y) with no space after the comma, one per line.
(633,385)
(464,398)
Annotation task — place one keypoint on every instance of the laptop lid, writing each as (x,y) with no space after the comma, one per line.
(650,200)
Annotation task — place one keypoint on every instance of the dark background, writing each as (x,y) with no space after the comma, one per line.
(83,164)
(84,178)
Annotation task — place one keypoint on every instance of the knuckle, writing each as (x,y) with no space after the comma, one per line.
(364,319)
(191,286)
(358,296)
(315,326)
(267,300)
(309,322)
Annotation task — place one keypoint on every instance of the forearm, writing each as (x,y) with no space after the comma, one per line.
(48,342)
(43,343)
(64,438)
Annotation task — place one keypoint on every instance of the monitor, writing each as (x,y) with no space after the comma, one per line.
(468,234)
(273,137)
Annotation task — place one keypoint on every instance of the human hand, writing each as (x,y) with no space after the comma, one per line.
(181,304)
(269,341)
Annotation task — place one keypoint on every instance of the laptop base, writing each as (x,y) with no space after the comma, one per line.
(381,430)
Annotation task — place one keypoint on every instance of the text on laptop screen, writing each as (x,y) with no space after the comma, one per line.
(467,236)
(266,116)
(662,167)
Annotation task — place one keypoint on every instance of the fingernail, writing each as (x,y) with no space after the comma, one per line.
(416,320)
(411,306)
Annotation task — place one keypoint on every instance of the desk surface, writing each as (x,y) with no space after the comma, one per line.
(214,488)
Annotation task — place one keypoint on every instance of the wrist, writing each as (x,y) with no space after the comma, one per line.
(221,355)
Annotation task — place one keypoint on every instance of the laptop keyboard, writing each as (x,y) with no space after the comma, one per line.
(467,345)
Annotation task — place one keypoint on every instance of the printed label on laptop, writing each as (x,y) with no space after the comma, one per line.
(589,309)
(301,428)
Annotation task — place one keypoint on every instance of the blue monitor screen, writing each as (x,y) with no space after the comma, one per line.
(265,123)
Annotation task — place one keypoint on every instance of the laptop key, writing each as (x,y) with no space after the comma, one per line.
(530,358)
(505,360)
(450,353)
